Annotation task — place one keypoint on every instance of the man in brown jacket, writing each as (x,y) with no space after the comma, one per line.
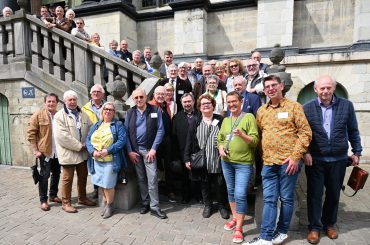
(40,135)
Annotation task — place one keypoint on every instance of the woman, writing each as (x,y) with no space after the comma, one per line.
(217,94)
(113,44)
(202,134)
(237,140)
(70,15)
(95,40)
(104,143)
(220,72)
(136,60)
(169,98)
(235,69)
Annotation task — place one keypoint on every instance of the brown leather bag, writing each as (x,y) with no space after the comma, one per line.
(356,180)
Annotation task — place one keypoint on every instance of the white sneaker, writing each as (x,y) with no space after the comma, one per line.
(258,241)
(279,238)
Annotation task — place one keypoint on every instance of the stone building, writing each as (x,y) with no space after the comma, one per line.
(319,37)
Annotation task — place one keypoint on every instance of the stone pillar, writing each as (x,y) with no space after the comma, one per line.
(275,23)
(361,31)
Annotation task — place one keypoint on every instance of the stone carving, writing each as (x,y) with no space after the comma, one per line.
(117,89)
(155,63)
(277,54)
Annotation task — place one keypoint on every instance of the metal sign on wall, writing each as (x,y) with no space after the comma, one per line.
(28,93)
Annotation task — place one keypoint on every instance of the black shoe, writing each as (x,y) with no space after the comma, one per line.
(207,211)
(95,194)
(172,197)
(158,213)
(185,201)
(224,213)
(144,209)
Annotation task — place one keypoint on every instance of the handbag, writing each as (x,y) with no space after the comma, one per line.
(35,172)
(199,158)
(356,180)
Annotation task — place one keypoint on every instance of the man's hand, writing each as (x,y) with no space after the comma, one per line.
(293,166)
(307,158)
(96,154)
(188,165)
(150,157)
(134,157)
(355,160)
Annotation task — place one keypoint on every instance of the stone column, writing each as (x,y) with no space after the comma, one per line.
(275,23)
(361,31)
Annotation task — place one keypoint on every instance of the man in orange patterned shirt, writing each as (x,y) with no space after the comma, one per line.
(286,135)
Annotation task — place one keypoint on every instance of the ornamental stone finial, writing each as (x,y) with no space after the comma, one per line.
(117,89)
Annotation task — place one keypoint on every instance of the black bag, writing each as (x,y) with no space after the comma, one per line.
(199,160)
(35,172)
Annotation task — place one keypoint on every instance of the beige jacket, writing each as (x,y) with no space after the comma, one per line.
(68,140)
(39,131)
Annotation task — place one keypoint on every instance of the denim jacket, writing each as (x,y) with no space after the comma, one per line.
(119,141)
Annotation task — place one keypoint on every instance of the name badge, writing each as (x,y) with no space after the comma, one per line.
(128,59)
(215,122)
(282,115)
(153,115)
(180,92)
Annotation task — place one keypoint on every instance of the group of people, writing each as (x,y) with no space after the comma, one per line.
(235,112)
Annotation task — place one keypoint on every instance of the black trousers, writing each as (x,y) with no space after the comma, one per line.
(218,194)
(52,167)
(330,175)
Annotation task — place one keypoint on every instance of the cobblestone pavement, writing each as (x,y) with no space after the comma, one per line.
(23,222)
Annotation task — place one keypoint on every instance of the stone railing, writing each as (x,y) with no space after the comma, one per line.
(52,55)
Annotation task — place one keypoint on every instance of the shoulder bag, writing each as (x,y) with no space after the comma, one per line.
(199,159)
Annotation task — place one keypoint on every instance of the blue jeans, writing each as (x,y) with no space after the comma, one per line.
(237,177)
(276,183)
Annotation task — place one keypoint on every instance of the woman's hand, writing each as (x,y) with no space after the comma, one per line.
(104,153)
(96,154)
(222,152)
(188,165)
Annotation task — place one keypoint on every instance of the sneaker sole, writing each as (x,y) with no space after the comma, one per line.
(226,228)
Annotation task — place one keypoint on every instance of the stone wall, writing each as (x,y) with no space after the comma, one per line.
(324,23)
(20,110)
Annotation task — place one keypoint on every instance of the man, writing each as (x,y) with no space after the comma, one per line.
(251,102)
(71,128)
(196,73)
(333,123)
(182,86)
(257,57)
(212,63)
(44,12)
(168,59)
(147,56)
(180,126)
(41,137)
(286,135)
(79,31)
(136,60)
(200,84)
(93,111)
(58,21)
(164,149)
(145,132)
(125,54)
(254,80)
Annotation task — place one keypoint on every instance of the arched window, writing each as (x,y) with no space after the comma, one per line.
(307,93)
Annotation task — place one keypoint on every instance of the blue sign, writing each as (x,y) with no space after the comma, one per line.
(28,92)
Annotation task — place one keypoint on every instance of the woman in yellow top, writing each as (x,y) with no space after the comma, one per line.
(104,143)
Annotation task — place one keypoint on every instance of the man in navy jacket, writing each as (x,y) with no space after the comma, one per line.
(333,123)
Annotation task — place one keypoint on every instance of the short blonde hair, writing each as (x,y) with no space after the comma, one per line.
(103,107)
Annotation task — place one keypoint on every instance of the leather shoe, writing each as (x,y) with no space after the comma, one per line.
(45,206)
(55,199)
(158,213)
(86,202)
(313,237)
(207,211)
(331,232)
(224,213)
(144,209)
(68,208)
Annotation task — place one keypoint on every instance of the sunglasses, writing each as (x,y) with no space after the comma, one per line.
(250,66)
(139,97)
(233,66)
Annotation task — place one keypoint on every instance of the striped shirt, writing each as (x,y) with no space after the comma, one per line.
(213,157)
(285,131)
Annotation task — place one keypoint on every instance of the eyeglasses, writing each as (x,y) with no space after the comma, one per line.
(96,92)
(139,97)
(206,104)
(108,109)
(272,86)
(250,66)
(233,66)
(78,23)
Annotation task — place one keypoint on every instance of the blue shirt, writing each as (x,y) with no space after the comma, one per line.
(327,115)
(141,130)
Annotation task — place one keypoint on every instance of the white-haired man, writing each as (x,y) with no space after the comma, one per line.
(71,128)
(7,11)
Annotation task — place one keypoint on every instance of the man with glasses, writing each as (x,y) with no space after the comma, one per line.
(254,79)
(79,31)
(93,111)
(145,129)
(286,135)
(262,66)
